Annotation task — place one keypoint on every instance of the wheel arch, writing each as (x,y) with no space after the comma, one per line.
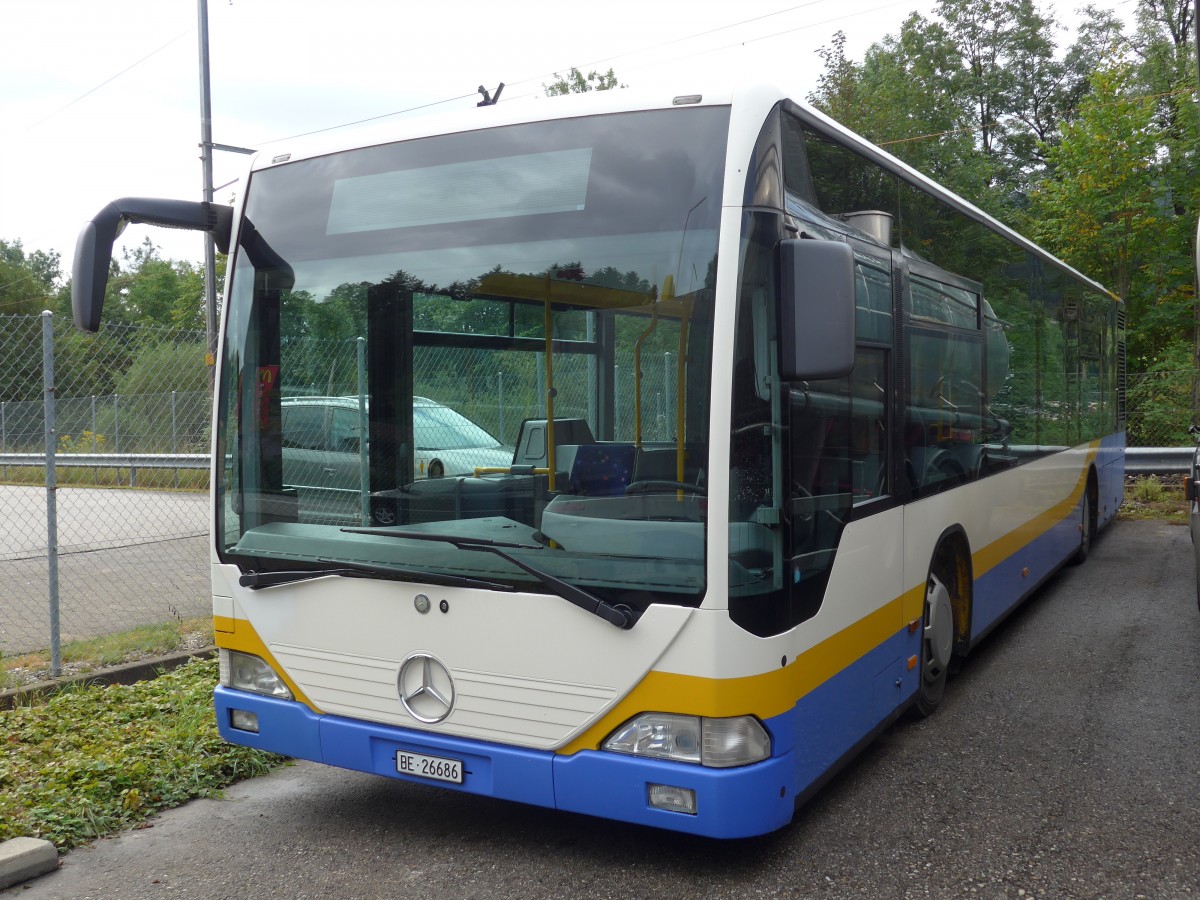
(951,563)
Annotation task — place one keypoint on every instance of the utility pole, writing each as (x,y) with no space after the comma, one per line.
(1196,249)
(206,162)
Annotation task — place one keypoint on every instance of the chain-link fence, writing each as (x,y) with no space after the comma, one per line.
(90,556)
(1160,407)
(130,433)
(497,389)
(121,539)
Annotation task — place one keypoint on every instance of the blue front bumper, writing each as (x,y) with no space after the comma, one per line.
(731,803)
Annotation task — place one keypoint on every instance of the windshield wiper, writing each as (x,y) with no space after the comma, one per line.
(257,580)
(463,543)
(619,616)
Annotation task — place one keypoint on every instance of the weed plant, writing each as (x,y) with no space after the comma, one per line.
(93,760)
(1149,498)
(1148,489)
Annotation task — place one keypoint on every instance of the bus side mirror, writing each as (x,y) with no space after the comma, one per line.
(817,319)
(93,249)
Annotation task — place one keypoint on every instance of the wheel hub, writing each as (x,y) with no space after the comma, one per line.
(939,627)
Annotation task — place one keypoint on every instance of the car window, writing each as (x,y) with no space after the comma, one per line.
(304,428)
(345,430)
(441,428)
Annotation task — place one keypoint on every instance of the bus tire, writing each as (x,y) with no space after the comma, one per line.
(937,646)
(1087,524)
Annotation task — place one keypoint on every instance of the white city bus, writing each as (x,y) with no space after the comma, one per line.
(792,427)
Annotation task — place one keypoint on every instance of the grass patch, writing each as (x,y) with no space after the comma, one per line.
(148,478)
(90,761)
(84,656)
(1149,498)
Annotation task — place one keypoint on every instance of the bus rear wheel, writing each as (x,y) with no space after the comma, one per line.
(1086,527)
(937,646)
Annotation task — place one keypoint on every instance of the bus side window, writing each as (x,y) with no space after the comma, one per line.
(868,446)
(943,437)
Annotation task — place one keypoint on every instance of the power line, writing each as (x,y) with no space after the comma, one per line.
(742,43)
(398,112)
(128,68)
(657,64)
(690,37)
(593,63)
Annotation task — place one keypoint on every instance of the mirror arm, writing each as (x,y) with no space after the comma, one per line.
(93,249)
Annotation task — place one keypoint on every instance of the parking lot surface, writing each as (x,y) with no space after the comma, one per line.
(1063,763)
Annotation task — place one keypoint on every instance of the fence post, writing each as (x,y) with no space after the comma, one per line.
(500,405)
(95,472)
(617,403)
(541,383)
(117,435)
(668,407)
(174,442)
(51,489)
(364,463)
(3,433)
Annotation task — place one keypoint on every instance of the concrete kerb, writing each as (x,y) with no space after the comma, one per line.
(23,858)
(128,673)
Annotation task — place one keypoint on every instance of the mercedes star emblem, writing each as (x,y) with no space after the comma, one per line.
(426,688)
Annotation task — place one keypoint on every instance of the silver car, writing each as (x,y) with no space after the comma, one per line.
(325,460)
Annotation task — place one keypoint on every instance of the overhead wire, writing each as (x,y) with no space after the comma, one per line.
(597,62)
(113,78)
(740,43)
(587,65)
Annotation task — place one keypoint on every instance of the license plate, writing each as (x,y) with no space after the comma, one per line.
(438,768)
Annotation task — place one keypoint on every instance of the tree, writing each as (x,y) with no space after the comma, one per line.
(1101,211)
(149,290)
(840,85)
(576,83)
(28,282)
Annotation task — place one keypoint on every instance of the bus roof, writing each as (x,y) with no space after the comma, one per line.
(750,103)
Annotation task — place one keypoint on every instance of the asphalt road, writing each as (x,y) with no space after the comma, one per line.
(126,558)
(1063,763)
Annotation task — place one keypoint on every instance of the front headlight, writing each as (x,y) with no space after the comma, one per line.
(244,672)
(718,743)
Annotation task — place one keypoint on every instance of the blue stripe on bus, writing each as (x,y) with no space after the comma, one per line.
(1002,588)
(735,802)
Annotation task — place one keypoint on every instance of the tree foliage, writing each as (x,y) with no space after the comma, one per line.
(1089,146)
(575,82)
(28,281)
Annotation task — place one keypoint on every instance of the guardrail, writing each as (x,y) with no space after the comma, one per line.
(1158,460)
(1138,461)
(131,461)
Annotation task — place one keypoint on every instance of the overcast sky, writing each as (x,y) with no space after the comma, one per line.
(99,99)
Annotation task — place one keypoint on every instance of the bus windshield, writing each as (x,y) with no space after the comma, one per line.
(502,335)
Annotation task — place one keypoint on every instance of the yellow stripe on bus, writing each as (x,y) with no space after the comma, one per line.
(765,695)
(995,553)
(238,634)
(776,692)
